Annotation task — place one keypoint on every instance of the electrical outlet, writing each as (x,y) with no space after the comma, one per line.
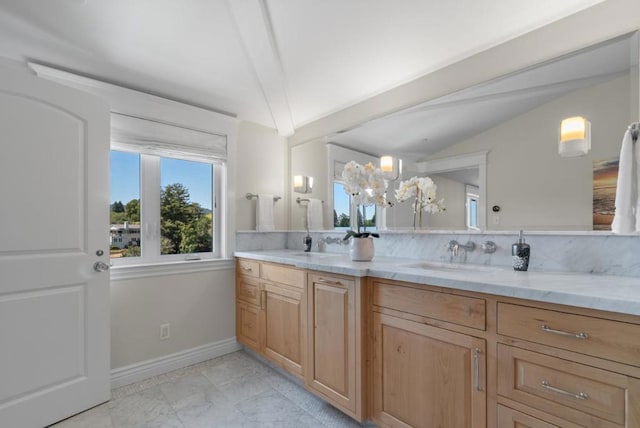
(165,331)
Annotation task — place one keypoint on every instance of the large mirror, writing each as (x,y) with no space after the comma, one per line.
(493,148)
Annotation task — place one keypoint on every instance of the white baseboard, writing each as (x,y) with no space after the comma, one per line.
(157,366)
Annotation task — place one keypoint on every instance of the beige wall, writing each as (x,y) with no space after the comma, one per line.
(454,195)
(400,216)
(310,159)
(262,167)
(534,186)
(199,307)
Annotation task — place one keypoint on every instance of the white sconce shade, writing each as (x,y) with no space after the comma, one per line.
(302,184)
(391,167)
(575,137)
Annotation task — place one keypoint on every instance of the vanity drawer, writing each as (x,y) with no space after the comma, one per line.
(248,268)
(460,310)
(247,289)
(582,394)
(612,340)
(283,275)
(509,418)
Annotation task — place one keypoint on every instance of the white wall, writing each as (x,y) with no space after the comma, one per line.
(454,194)
(310,159)
(199,307)
(534,186)
(400,216)
(262,167)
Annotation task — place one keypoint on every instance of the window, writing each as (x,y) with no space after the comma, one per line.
(472,197)
(163,192)
(367,218)
(186,207)
(176,218)
(125,203)
(341,207)
(343,212)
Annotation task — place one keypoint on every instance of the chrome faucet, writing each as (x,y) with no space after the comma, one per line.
(331,240)
(454,247)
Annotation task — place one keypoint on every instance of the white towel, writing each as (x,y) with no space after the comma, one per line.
(636,193)
(624,220)
(264,213)
(314,214)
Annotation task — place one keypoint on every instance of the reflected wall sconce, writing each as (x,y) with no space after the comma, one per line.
(302,184)
(391,167)
(575,137)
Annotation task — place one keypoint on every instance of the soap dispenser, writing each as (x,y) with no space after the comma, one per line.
(308,242)
(520,252)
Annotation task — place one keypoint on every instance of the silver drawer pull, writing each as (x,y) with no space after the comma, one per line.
(580,335)
(326,281)
(579,396)
(476,369)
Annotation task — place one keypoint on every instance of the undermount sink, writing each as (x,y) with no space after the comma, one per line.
(452,267)
(312,255)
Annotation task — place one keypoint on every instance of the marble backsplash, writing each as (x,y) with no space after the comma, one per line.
(566,252)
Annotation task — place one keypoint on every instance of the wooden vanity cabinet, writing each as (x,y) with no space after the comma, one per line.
(569,369)
(271,311)
(335,364)
(425,375)
(410,355)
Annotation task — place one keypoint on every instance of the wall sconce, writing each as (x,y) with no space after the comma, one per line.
(391,167)
(575,137)
(302,184)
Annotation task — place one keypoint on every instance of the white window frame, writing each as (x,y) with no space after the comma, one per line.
(333,207)
(472,193)
(150,233)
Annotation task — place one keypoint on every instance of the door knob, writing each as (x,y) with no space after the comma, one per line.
(100,266)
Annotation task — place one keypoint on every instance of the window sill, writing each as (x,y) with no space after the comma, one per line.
(120,273)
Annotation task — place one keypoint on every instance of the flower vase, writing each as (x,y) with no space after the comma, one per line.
(361,249)
(417,213)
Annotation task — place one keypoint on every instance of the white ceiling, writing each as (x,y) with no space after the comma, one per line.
(279,63)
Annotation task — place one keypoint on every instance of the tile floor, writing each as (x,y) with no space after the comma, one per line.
(235,390)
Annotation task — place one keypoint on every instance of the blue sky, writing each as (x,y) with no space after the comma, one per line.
(340,199)
(125,177)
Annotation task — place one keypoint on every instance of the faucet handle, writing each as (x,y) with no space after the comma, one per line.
(489,247)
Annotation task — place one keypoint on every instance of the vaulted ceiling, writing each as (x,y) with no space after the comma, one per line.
(279,63)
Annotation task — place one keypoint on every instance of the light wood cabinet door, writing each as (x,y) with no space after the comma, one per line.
(247,327)
(333,338)
(426,376)
(282,321)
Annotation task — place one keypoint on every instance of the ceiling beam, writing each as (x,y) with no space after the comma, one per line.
(256,34)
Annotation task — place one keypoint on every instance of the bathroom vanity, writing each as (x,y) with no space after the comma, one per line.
(408,344)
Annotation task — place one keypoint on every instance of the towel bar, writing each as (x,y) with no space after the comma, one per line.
(253,196)
(300,200)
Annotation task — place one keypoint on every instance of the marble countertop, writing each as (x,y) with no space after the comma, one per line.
(603,292)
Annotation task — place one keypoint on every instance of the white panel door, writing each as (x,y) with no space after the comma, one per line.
(54,199)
